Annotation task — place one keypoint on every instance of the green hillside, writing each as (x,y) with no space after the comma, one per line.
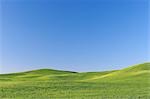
(129,83)
(34,74)
(140,72)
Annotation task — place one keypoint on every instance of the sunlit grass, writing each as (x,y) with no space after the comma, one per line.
(130,83)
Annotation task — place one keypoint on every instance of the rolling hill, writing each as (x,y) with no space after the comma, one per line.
(140,71)
(129,83)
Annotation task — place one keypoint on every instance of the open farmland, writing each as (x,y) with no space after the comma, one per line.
(129,83)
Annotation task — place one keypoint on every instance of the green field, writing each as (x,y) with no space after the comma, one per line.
(129,83)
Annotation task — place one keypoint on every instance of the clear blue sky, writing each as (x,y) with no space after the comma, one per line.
(76,35)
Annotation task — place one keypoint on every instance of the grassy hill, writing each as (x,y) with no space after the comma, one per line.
(140,72)
(34,74)
(129,83)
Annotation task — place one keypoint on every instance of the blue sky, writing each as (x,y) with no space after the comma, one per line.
(76,35)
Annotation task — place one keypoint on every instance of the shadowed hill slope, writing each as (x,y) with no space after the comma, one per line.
(34,74)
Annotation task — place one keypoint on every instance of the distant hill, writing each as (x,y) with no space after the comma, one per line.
(137,71)
(34,74)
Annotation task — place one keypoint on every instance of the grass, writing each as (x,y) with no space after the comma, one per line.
(129,83)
